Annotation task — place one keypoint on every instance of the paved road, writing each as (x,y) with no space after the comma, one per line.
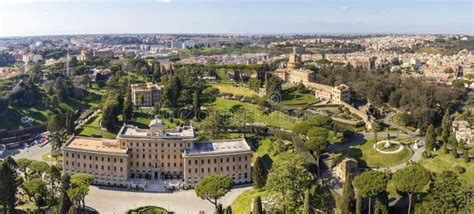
(35,152)
(111,201)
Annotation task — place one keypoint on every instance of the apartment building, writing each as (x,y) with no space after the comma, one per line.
(157,153)
(145,94)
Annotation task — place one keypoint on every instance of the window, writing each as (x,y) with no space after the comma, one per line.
(162,164)
(245,158)
(149,156)
(121,169)
(208,161)
(78,156)
(90,157)
(174,164)
(72,155)
(138,164)
(202,169)
(67,163)
(67,154)
(221,160)
(189,162)
(215,169)
(169,164)
(202,161)
(227,160)
(174,157)
(189,170)
(90,166)
(169,157)
(208,169)
(108,167)
(131,163)
(215,160)
(227,168)
(115,168)
(131,144)
(240,158)
(102,167)
(96,166)
(233,159)
(121,160)
(221,169)
(115,160)
(102,158)
(143,155)
(96,158)
(196,170)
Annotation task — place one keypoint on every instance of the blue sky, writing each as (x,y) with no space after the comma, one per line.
(50,17)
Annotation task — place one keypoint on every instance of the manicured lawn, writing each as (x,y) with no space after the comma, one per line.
(446,162)
(241,205)
(368,157)
(276,119)
(242,91)
(148,210)
(47,157)
(93,128)
(295,98)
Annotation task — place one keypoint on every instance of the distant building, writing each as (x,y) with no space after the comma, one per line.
(337,94)
(30,57)
(85,55)
(348,166)
(156,153)
(463,132)
(293,73)
(145,94)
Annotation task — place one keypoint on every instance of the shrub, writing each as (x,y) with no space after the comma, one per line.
(459,169)
(427,154)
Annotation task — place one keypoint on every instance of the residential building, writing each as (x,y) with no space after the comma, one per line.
(293,73)
(145,94)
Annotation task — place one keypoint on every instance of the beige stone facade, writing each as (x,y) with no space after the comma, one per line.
(145,94)
(348,166)
(293,73)
(156,153)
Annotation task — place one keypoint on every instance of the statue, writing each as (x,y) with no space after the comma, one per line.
(387,142)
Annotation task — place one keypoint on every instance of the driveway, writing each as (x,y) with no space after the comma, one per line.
(108,200)
(35,152)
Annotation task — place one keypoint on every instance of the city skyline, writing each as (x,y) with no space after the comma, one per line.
(40,17)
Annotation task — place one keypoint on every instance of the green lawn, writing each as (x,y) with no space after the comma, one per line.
(368,157)
(148,210)
(47,157)
(276,119)
(446,162)
(242,91)
(295,98)
(241,205)
(93,128)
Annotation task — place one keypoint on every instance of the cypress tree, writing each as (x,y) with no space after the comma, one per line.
(347,196)
(306,208)
(430,139)
(258,174)
(257,206)
(65,203)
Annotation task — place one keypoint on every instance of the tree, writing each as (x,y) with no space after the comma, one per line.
(109,116)
(347,196)
(445,127)
(430,138)
(259,175)
(288,179)
(172,91)
(64,200)
(127,110)
(196,102)
(213,187)
(273,88)
(219,209)
(53,175)
(11,163)
(215,124)
(8,187)
(371,184)
(411,180)
(69,124)
(79,188)
(358,208)
(306,206)
(257,205)
(447,194)
(56,129)
(38,167)
(317,144)
(23,164)
(380,207)
(35,188)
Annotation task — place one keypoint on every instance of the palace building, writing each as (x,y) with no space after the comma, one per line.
(145,94)
(156,153)
(293,73)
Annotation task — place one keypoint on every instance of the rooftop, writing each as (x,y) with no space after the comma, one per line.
(94,145)
(145,86)
(219,146)
(182,131)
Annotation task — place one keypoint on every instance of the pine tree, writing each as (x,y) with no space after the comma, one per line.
(358,204)
(380,208)
(347,196)
(258,174)
(306,208)
(8,187)
(196,103)
(257,206)
(64,201)
(445,127)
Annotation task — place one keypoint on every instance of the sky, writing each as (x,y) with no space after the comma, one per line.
(59,17)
